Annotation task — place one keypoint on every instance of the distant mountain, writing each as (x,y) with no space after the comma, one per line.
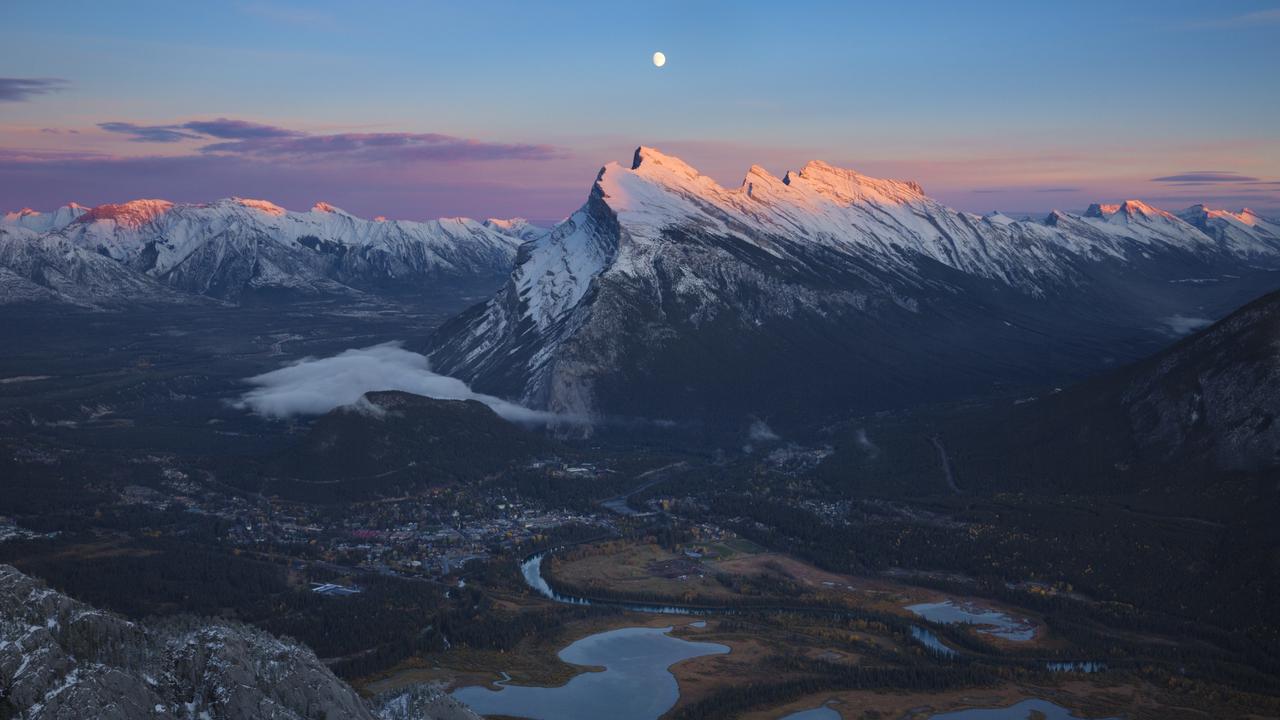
(38,268)
(1202,412)
(391,442)
(667,296)
(519,227)
(237,246)
(1234,230)
(43,222)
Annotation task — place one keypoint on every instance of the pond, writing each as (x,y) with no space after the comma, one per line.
(1024,710)
(931,641)
(636,662)
(984,619)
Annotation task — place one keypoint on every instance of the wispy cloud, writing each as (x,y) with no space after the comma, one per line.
(1270,16)
(251,139)
(1205,176)
(19,89)
(221,128)
(386,146)
(150,133)
(228,129)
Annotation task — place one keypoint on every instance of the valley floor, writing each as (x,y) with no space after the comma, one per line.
(133,483)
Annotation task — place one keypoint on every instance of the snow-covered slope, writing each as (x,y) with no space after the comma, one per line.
(237,245)
(1244,232)
(43,222)
(40,268)
(669,295)
(516,227)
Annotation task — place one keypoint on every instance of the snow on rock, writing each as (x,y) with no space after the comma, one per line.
(516,227)
(43,222)
(1241,233)
(225,248)
(60,658)
(38,268)
(133,214)
(659,250)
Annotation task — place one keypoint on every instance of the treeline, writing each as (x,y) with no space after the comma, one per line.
(1225,623)
(156,577)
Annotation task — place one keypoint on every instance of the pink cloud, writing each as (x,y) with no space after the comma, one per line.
(402,147)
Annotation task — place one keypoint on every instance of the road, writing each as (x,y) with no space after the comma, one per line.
(946,464)
(649,478)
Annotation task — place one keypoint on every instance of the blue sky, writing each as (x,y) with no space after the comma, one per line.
(1022,106)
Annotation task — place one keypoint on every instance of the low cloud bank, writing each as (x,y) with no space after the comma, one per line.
(314,386)
(1183,325)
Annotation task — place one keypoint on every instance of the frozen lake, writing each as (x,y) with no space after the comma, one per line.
(986,620)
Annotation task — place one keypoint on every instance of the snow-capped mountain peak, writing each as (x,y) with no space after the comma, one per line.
(133,214)
(1243,232)
(661,257)
(851,186)
(324,207)
(517,227)
(265,206)
(43,222)
(1127,209)
(1244,216)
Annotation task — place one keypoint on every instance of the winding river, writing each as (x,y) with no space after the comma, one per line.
(636,662)
(531,569)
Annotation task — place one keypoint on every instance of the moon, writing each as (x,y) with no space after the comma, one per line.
(659,59)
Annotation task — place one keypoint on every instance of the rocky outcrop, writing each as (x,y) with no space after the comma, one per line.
(61,659)
(420,702)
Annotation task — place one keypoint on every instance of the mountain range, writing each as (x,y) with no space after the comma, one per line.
(669,297)
(232,248)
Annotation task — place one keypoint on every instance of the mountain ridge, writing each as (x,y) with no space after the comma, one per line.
(817,261)
(235,246)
